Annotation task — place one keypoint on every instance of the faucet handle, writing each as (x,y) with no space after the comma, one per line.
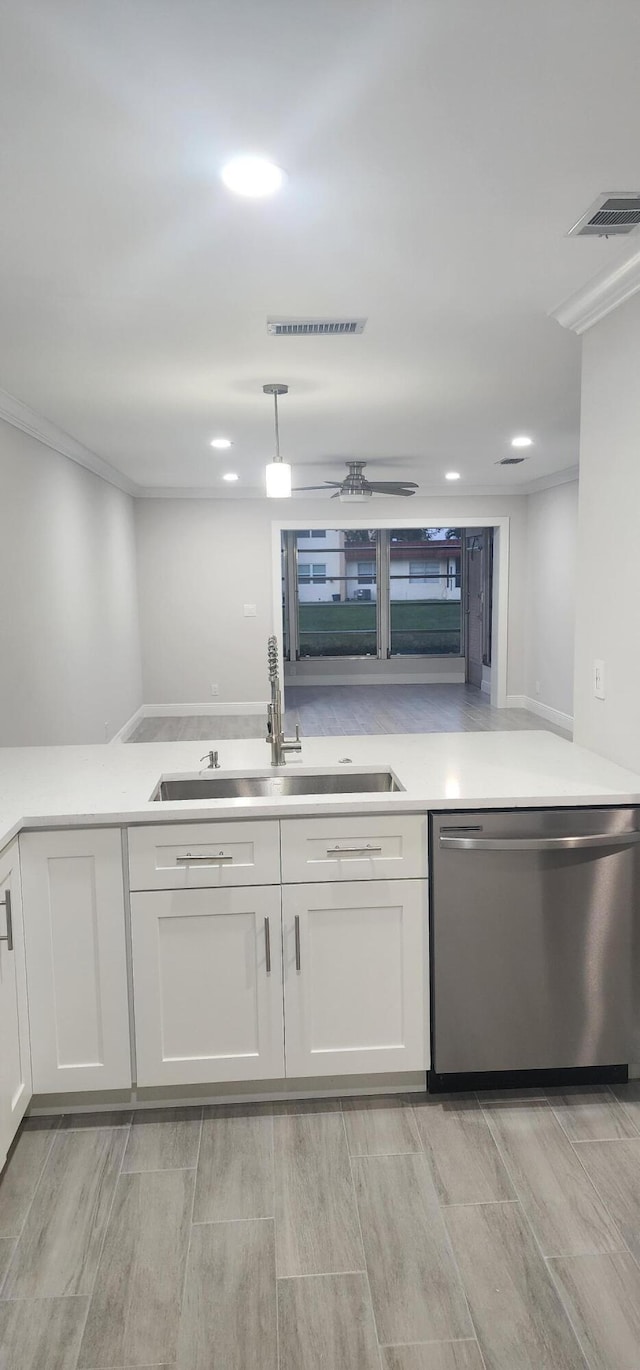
(297,732)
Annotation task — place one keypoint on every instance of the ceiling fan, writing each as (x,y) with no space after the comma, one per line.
(356,487)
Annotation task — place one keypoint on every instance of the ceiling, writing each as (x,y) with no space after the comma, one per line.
(437,153)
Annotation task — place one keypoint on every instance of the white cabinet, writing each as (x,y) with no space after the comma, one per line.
(177,856)
(355,977)
(76,961)
(15,1063)
(207,971)
(377,847)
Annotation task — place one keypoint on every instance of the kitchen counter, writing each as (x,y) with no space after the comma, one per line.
(43,787)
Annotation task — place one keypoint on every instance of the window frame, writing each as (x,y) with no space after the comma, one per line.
(381,577)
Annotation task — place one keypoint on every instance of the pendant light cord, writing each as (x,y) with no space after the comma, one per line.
(275,402)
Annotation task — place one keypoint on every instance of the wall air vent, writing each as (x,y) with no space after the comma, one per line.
(511,461)
(610,216)
(313,328)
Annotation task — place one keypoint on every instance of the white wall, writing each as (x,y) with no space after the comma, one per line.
(607,617)
(552,535)
(200,561)
(69,645)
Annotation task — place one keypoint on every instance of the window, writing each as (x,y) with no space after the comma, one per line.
(454,576)
(313,571)
(338,608)
(422,571)
(425,609)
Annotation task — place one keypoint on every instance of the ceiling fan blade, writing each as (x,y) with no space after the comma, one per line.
(393,484)
(391,488)
(327,485)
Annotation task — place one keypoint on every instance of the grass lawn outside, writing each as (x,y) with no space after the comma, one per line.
(418,627)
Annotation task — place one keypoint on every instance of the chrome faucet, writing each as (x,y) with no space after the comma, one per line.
(279,744)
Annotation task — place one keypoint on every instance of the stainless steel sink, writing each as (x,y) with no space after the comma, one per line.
(274,786)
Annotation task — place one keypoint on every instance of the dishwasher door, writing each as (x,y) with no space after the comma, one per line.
(534,939)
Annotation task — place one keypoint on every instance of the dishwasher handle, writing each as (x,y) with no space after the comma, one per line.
(577,843)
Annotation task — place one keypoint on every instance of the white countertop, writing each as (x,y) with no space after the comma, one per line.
(43,787)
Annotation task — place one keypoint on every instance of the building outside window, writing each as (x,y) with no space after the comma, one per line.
(338,608)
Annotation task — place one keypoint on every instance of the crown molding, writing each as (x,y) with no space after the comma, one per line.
(254,494)
(600,296)
(554,478)
(19,415)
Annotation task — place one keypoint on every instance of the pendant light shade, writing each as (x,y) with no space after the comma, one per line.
(278,472)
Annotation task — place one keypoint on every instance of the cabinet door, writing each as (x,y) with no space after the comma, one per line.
(355,977)
(15,1061)
(76,962)
(207,974)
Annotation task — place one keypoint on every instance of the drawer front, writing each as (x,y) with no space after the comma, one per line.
(204,855)
(376,848)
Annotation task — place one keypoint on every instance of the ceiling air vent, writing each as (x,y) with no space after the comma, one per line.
(511,461)
(610,216)
(312,328)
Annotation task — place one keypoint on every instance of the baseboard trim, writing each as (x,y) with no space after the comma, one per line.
(127,728)
(535,706)
(253,706)
(257,706)
(300,682)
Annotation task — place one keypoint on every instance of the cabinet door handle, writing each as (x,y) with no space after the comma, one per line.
(296,922)
(267,945)
(353,851)
(210,860)
(8,935)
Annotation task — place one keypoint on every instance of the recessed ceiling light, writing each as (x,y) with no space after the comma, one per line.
(522,441)
(221,443)
(252,176)
(231,475)
(452,475)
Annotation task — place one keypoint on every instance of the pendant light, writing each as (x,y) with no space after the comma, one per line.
(278,472)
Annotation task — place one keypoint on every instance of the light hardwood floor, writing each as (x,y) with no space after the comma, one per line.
(490,1232)
(346,710)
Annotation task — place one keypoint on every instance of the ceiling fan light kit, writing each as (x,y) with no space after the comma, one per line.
(278,472)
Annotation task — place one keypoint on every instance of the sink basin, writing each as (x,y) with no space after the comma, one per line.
(274,786)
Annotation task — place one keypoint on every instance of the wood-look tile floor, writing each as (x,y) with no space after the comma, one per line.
(347,710)
(468,1232)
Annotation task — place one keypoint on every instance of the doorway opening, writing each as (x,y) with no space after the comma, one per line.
(391,628)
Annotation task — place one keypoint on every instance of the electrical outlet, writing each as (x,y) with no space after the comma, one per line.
(598,679)
(538,687)
(249,610)
(215,688)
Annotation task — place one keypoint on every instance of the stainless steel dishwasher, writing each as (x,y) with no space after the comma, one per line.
(535,932)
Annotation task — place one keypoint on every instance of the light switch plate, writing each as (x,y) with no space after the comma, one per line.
(249,610)
(598,679)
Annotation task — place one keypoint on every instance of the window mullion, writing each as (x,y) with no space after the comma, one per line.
(383,594)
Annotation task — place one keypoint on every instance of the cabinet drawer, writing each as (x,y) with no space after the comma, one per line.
(203,855)
(376,848)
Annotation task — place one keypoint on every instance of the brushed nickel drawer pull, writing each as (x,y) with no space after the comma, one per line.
(210,860)
(8,935)
(353,851)
(267,945)
(297,933)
